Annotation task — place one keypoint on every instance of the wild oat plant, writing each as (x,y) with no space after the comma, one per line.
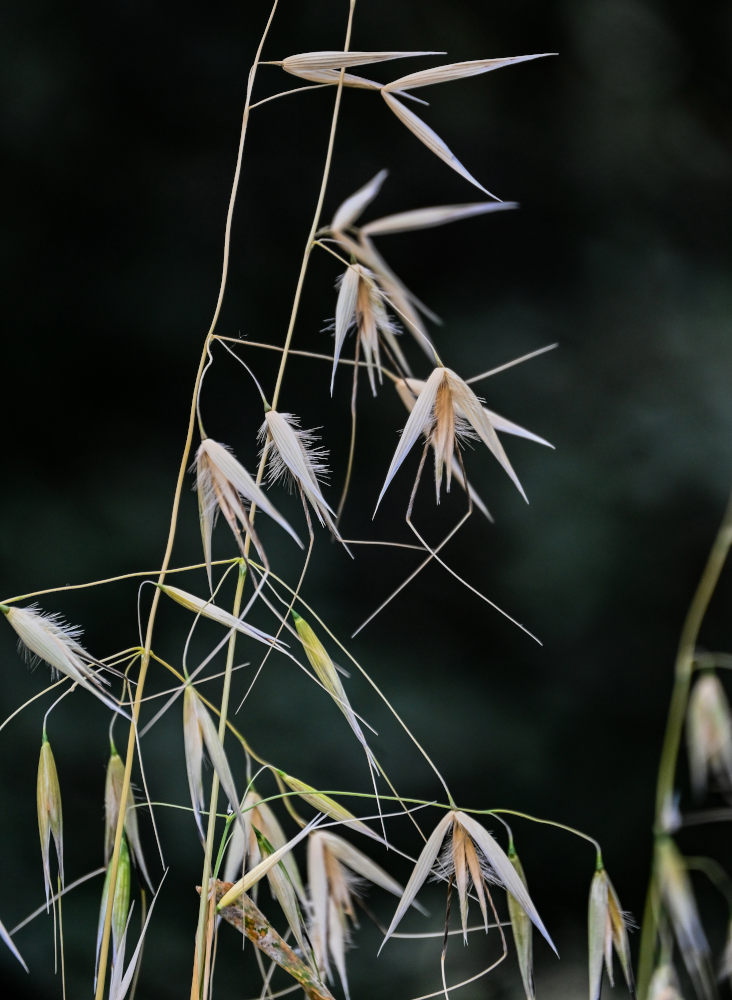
(316,848)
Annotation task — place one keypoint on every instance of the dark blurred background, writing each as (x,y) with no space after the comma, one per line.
(119,132)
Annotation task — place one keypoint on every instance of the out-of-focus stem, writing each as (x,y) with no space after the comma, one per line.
(683,671)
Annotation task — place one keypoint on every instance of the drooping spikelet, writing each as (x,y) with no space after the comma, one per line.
(362,306)
(521,928)
(50,816)
(120,906)
(709,734)
(257,837)
(677,895)
(199,731)
(445,410)
(47,637)
(112,801)
(607,930)
(327,674)
(473,857)
(333,868)
(224,485)
(294,455)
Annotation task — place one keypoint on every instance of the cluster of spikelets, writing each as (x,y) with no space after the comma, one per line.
(442,413)
(443,410)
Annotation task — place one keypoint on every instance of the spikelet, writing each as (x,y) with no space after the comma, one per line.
(664,984)
(333,865)
(474,856)
(326,805)
(8,942)
(112,801)
(709,734)
(362,306)
(327,674)
(199,731)
(521,929)
(47,637)
(224,485)
(294,454)
(678,898)
(120,906)
(50,817)
(445,410)
(208,610)
(607,929)
(442,74)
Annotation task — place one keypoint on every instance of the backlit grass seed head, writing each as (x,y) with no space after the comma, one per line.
(709,734)
(521,928)
(326,805)
(120,903)
(445,410)
(325,67)
(225,486)
(47,637)
(678,899)
(257,837)
(327,674)
(199,731)
(361,307)
(354,242)
(294,455)
(193,747)
(472,857)
(244,847)
(112,800)
(335,871)
(607,929)
(208,610)
(50,816)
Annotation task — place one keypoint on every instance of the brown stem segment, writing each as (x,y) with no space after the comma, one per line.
(249,920)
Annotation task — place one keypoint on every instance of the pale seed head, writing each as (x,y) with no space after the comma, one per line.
(521,929)
(120,903)
(224,485)
(294,455)
(50,818)
(607,929)
(112,800)
(326,805)
(709,733)
(678,898)
(47,637)
(335,870)
(475,851)
(327,674)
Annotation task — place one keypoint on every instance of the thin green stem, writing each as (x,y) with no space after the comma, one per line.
(683,673)
(145,660)
(544,822)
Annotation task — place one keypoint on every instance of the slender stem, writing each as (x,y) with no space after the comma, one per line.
(145,660)
(537,819)
(316,217)
(683,673)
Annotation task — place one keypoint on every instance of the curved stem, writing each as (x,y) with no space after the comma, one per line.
(145,660)
(545,822)
(683,673)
